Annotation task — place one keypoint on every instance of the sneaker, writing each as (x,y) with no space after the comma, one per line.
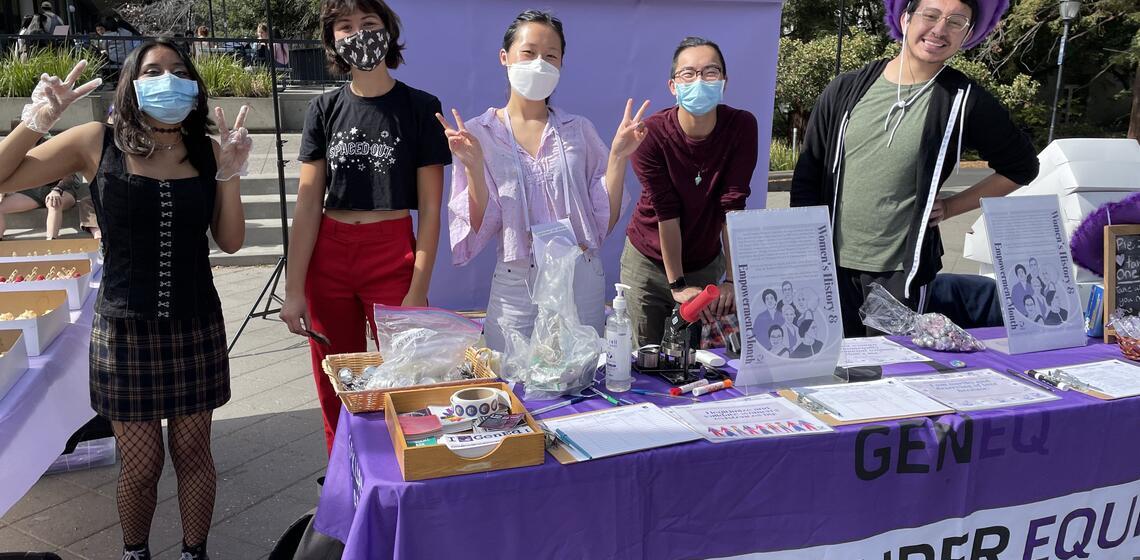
(186,555)
(143,554)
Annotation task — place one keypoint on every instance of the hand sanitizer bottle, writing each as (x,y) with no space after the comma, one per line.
(619,343)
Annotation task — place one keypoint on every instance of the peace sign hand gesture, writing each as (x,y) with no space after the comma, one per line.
(235,145)
(53,96)
(462,143)
(630,132)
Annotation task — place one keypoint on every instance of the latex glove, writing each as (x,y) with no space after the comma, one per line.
(52,97)
(54,199)
(236,145)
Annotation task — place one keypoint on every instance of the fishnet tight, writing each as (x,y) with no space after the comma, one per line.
(140,445)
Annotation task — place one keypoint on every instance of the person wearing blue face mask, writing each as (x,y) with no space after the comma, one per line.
(158,340)
(695,164)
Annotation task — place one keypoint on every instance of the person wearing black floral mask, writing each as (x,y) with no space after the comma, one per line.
(371,152)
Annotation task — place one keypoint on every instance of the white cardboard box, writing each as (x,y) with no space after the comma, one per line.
(42,330)
(76,288)
(13,361)
(54,250)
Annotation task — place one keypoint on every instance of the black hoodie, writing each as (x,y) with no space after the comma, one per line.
(984,126)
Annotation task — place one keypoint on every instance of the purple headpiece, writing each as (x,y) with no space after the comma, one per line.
(989,12)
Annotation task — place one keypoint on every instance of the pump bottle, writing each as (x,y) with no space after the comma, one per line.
(619,344)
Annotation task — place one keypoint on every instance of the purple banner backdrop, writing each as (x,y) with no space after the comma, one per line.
(615,49)
(701,500)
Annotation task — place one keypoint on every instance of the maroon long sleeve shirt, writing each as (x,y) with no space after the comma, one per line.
(668,163)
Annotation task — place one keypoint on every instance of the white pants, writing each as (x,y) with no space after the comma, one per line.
(510,304)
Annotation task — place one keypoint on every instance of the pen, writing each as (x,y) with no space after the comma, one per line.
(1038,382)
(565,438)
(656,394)
(556,406)
(608,398)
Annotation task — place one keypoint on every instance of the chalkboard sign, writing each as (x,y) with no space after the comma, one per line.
(1121,272)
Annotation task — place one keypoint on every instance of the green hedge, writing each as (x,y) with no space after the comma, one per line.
(226,76)
(19,77)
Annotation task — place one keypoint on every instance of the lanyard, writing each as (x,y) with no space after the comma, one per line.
(522,174)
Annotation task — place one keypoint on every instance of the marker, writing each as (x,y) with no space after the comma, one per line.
(556,406)
(608,398)
(1038,382)
(688,387)
(706,389)
(656,394)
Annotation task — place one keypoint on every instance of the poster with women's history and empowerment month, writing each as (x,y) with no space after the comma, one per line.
(787,299)
(1034,273)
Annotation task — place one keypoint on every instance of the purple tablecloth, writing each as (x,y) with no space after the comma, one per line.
(707,500)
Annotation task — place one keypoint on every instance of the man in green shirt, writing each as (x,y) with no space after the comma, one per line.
(882,140)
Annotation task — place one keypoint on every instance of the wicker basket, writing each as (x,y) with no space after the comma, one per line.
(1130,347)
(372,400)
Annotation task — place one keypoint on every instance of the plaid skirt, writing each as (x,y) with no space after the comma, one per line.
(149,369)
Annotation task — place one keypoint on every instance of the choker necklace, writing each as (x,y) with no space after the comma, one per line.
(167,130)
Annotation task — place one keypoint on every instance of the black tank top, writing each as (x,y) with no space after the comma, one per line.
(156,256)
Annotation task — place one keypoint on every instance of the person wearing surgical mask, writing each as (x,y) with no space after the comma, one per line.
(695,165)
(159,185)
(371,153)
(527,165)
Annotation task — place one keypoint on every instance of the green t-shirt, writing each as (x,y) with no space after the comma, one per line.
(877,199)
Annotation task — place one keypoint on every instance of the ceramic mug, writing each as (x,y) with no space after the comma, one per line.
(475,402)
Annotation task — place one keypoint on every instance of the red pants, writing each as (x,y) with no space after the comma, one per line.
(353,267)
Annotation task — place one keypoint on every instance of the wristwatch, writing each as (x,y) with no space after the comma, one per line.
(678,284)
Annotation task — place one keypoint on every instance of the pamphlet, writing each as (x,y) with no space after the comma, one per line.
(876,351)
(758,416)
(787,298)
(1034,273)
(976,389)
(468,441)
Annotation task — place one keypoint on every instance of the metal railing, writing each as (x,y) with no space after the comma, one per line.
(299,62)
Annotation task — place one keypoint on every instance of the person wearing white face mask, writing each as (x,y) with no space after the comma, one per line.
(695,165)
(883,139)
(528,164)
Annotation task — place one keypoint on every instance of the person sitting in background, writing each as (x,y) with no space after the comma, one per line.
(57,197)
(114,49)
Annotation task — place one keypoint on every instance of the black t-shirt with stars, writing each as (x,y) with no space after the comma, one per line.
(372,146)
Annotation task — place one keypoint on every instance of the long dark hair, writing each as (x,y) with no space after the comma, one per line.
(333,9)
(131,132)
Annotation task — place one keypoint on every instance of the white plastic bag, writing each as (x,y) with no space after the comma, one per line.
(561,355)
(420,346)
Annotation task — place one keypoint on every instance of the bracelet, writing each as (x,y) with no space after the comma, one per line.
(678,284)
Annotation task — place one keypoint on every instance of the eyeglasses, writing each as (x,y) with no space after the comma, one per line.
(956,23)
(710,73)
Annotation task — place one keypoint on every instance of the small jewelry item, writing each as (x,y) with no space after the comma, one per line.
(167,130)
(697,181)
(161,146)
